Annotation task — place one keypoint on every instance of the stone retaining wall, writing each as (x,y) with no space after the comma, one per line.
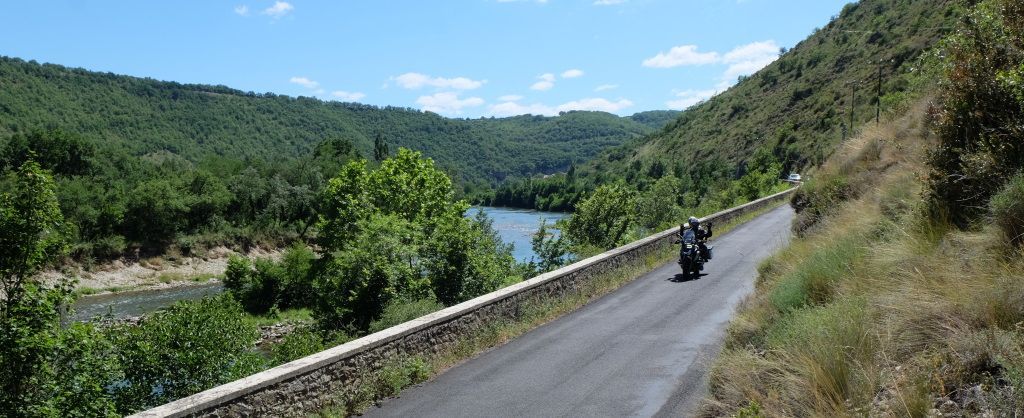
(307,385)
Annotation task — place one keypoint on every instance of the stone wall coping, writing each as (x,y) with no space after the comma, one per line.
(238,388)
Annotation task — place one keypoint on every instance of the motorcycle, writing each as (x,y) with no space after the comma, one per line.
(691,261)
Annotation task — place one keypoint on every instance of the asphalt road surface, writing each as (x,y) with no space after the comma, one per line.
(642,350)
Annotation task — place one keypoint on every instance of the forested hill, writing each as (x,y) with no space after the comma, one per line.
(144,116)
(797,107)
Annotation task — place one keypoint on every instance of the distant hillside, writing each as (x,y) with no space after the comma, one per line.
(794,111)
(797,106)
(144,116)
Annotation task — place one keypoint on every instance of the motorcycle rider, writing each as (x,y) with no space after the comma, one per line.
(691,232)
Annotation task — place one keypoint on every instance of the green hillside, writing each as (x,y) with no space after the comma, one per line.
(144,116)
(794,111)
(799,106)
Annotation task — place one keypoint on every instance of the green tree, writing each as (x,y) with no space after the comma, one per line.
(551,250)
(656,207)
(54,150)
(354,284)
(380,148)
(30,230)
(466,258)
(266,283)
(981,118)
(411,186)
(603,219)
(45,370)
(156,212)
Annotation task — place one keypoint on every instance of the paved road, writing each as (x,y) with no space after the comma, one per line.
(640,351)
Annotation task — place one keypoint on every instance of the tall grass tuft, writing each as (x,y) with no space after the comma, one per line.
(1007,208)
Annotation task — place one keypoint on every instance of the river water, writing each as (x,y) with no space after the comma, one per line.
(515,226)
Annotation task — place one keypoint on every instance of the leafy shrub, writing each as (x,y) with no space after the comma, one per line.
(817,198)
(265,283)
(604,218)
(1007,208)
(466,258)
(982,112)
(190,347)
(298,344)
(354,285)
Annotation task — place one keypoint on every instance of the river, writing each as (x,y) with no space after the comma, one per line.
(514,226)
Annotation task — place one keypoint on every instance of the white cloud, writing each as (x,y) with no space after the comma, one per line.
(447,103)
(279,9)
(681,55)
(511,108)
(547,81)
(608,2)
(347,96)
(748,59)
(573,73)
(688,98)
(414,81)
(598,104)
(510,98)
(604,87)
(242,10)
(752,51)
(304,82)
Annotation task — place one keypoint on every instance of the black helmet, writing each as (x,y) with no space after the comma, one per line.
(693,221)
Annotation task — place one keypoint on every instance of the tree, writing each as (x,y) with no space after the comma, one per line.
(603,219)
(54,150)
(380,148)
(656,207)
(156,212)
(550,249)
(466,258)
(30,231)
(980,122)
(354,284)
(45,369)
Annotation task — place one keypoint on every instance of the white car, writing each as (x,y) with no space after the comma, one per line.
(794,177)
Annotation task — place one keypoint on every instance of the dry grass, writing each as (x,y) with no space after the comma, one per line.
(876,311)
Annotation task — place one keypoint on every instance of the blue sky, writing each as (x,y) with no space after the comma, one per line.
(459,58)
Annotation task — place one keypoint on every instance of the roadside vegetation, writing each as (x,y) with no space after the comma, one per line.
(903,297)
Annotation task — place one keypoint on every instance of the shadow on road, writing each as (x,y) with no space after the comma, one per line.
(680,278)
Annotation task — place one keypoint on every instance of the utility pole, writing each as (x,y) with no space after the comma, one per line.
(853,103)
(878,96)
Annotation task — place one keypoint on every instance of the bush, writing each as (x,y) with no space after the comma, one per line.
(981,114)
(466,258)
(190,347)
(354,285)
(603,219)
(298,344)
(1007,208)
(265,284)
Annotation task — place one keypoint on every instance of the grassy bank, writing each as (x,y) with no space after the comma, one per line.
(878,310)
